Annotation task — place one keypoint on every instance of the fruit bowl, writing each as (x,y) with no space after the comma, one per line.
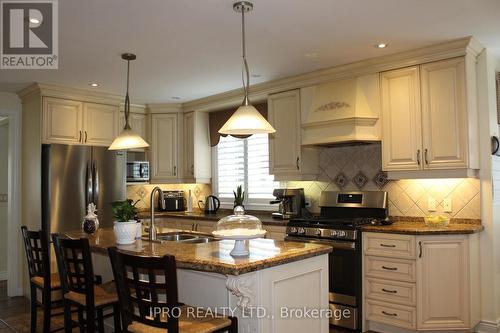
(437,221)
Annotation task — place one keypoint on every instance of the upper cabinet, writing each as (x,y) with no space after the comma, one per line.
(288,160)
(428,123)
(73,122)
(196,166)
(164,157)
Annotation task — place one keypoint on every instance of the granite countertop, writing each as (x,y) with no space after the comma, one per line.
(213,256)
(419,228)
(264,217)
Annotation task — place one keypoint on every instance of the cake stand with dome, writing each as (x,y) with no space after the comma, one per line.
(240,228)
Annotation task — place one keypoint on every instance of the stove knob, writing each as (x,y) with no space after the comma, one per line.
(333,233)
(317,232)
(293,230)
(301,231)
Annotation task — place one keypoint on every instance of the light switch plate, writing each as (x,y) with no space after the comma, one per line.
(431,204)
(447,205)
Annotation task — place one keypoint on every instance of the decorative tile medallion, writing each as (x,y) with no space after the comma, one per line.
(380,179)
(341,180)
(360,180)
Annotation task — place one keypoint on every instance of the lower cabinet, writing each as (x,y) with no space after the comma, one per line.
(431,285)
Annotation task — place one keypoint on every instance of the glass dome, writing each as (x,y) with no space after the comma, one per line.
(239,224)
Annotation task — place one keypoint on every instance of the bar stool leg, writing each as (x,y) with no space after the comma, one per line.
(46,301)
(33,309)
(68,325)
(81,321)
(100,321)
(116,318)
(90,320)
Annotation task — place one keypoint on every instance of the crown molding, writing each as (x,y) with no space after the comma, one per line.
(455,48)
(165,108)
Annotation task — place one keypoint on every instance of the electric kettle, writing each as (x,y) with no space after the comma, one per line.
(211,205)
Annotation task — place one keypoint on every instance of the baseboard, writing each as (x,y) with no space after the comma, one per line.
(4,276)
(486,326)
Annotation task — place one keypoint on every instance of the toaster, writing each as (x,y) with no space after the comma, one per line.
(173,201)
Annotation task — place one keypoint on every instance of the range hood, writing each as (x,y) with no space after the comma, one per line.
(341,112)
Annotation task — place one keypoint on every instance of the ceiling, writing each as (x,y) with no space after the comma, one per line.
(191,49)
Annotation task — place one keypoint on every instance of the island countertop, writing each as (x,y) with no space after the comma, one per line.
(211,257)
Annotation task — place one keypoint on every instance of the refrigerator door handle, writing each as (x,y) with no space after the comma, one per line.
(88,186)
(95,176)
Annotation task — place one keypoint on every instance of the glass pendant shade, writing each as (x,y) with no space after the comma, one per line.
(128,140)
(246,121)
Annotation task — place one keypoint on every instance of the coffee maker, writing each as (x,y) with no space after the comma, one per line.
(290,200)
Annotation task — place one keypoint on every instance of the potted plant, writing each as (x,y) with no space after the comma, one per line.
(239,196)
(125,226)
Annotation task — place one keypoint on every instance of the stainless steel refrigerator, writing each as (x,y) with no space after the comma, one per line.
(73,177)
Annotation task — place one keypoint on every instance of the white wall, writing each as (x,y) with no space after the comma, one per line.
(4,168)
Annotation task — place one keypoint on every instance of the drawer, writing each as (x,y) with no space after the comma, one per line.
(389,245)
(396,315)
(391,291)
(389,268)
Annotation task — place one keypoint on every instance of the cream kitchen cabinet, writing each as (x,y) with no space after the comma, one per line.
(428,123)
(415,282)
(73,122)
(164,147)
(288,160)
(196,166)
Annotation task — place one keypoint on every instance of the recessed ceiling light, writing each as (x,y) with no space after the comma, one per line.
(381,45)
(34,20)
(311,55)
(176,97)
(94,85)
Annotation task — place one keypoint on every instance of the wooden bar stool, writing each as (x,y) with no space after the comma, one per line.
(36,244)
(148,283)
(80,288)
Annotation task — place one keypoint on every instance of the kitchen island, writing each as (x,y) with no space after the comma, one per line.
(272,290)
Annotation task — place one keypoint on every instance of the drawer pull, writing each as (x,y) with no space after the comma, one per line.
(390,268)
(389,291)
(389,314)
(386,245)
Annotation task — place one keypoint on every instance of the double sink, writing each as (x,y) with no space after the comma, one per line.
(183,237)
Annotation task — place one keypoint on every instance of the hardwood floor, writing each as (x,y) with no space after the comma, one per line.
(15,315)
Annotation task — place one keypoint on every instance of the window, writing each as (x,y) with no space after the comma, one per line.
(244,162)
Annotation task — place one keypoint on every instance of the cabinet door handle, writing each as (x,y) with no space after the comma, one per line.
(425,156)
(175,171)
(80,137)
(192,169)
(418,156)
(387,245)
(297,163)
(420,249)
(389,291)
(85,136)
(390,268)
(389,314)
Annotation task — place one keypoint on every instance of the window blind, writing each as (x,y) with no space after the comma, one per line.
(244,162)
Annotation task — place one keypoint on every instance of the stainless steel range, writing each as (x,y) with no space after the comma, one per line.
(342,213)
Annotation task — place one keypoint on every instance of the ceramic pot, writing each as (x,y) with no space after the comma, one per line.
(125,232)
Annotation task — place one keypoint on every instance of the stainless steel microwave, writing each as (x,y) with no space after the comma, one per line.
(137,171)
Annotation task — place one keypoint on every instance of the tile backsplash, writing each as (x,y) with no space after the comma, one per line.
(143,192)
(359,168)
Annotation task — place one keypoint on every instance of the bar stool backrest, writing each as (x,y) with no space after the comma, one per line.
(147,289)
(74,261)
(36,244)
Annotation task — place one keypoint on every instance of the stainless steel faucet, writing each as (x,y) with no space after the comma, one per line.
(152,226)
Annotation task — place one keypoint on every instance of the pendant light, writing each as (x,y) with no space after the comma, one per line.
(246,120)
(127,138)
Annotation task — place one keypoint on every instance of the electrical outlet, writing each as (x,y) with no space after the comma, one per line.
(431,204)
(447,205)
(308,202)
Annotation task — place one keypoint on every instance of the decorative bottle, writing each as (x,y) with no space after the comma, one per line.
(90,222)
(189,202)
